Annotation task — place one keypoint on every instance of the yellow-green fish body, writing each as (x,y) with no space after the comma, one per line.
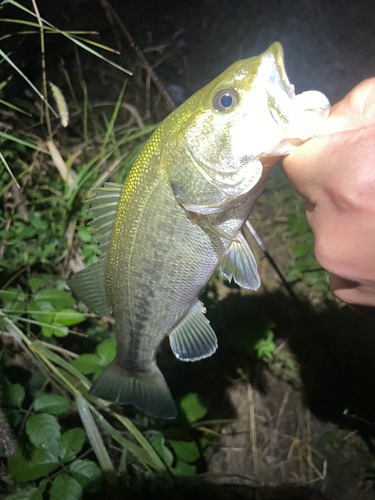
(179,216)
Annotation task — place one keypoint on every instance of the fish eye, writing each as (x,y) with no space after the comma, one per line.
(225,100)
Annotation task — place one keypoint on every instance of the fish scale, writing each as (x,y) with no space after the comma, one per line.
(180,215)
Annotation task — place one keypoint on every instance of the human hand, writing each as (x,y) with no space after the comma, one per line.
(335,173)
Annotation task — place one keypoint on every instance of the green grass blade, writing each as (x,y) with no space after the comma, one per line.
(23,143)
(95,439)
(5,163)
(43,351)
(141,440)
(39,94)
(140,454)
(71,38)
(16,333)
(16,108)
(113,118)
(9,61)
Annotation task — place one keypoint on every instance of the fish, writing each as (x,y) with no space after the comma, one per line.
(180,215)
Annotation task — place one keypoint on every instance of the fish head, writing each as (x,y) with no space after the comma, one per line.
(234,129)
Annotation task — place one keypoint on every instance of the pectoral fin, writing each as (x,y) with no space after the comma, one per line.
(193,338)
(88,286)
(239,264)
(218,232)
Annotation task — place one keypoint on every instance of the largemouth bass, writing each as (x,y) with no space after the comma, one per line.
(179,216)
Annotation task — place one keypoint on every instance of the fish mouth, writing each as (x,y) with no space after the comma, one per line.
(279,90)
(278,54)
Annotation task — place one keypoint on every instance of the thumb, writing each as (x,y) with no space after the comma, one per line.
(356,110)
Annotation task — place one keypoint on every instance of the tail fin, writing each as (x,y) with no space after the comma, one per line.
(148,391)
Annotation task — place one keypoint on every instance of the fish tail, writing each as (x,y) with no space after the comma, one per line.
(147,390)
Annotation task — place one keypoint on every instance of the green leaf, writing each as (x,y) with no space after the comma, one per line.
(11,295)
(42,428)
(185,450)
(192,407)
(87,363)
(29,493)
(39,310)
(37,282)
(59,331)
(107,351)
(51,403)
(22,470)
(70,443)
(68,317)
(265,347)
(302,249)
(15,309)
(298,224)
(85,234)
(158,443)
(65,487)
(16,395)
(58,298)
(37,221)
(88,474)
(184,469)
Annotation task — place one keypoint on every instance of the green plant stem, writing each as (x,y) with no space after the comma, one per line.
(43,62)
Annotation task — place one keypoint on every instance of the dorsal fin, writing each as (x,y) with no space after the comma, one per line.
(103,207)
(239,264)
(193,338)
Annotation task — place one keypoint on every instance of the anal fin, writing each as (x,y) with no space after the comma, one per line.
(193,338)
(239,264)
(88,286)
